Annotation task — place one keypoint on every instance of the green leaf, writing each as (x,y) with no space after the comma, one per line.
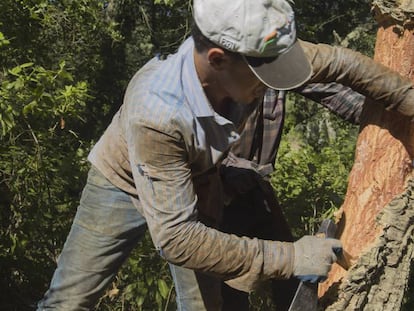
(30,107)
(140,301)
(163,288)
(15,71)
(25,65)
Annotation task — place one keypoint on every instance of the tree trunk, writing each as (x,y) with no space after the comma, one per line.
(377,220)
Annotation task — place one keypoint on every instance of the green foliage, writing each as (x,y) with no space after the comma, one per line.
(166,2)
(3,40)
(45,91)
(325,21)
(313,163)
(150,28)
(38,152)
(29,91)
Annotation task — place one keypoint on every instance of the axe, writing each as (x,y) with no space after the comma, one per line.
(306,296)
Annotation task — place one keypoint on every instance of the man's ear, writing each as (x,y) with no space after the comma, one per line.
(217,58)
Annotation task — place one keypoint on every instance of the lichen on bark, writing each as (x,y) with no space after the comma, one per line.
(378,280)
(400,12)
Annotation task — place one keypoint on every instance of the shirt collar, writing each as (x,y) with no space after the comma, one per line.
(193,90)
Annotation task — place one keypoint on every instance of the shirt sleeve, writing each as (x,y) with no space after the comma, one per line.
(340,99)
(161,169)
(362,74)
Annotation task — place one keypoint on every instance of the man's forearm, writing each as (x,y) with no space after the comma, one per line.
(362,74)
(340,99)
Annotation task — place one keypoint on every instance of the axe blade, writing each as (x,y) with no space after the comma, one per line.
(306,297)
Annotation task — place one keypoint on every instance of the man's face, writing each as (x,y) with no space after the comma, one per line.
(240,83)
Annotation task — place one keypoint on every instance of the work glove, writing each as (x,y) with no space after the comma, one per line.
(314,257)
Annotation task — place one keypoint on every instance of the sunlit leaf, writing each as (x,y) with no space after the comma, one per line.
(163,288)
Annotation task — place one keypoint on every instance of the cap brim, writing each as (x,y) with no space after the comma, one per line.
(287,71)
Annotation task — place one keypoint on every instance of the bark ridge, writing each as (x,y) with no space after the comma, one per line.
(379,278)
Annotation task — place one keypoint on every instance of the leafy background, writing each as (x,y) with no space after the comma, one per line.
(64,67)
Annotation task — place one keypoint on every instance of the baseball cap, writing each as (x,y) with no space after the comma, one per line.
(263,32)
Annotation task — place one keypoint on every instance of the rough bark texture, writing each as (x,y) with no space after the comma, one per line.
(378,280)
(377,220)
(395,12)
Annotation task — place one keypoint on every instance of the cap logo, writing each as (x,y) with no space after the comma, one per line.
(269,39)
(272,37)
(227,44)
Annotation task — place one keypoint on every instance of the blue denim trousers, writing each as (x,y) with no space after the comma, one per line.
(106,228)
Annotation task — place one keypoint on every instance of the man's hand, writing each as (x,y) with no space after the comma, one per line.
(314,257)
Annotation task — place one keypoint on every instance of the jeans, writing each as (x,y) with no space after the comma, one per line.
(106,228)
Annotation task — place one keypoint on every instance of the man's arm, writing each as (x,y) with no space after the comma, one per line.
(161,169)
(340,99)
(362,74)
(163,177)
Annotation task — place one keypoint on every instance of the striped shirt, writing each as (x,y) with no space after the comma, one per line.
(164,146)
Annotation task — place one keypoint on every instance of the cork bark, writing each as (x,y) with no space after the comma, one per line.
(377,218)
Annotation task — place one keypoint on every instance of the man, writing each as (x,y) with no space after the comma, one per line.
(158,163)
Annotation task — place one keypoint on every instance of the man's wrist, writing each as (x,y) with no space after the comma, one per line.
(278,259)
